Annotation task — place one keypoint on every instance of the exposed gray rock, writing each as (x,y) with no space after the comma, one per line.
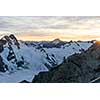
(78,68)
(7,42)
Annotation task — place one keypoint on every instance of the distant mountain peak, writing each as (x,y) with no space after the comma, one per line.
(56,41)
(31,57)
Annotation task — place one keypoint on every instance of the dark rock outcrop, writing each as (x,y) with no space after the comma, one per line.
(3,66)
(15,40)
(8,43)
(78,68)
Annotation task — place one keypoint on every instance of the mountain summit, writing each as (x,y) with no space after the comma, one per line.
(21,60)
(8,58)
(56,41)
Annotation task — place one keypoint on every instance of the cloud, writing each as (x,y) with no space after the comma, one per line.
(42,26)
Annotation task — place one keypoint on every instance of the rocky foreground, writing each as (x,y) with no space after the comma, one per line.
(78,68)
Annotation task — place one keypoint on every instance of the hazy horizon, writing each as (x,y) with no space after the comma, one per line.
(47,28)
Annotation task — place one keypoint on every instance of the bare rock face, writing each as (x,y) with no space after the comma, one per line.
(2,42)
(78,68)
(15,40)
(7,45)
(3,66)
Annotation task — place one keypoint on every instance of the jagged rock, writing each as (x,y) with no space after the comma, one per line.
(8,40)
(3,66)
(15,40)
(7,44)
(77,68)
(2,42)
(19,58)
(20,63)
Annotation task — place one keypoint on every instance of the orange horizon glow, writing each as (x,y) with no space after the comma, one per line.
(98,39)
(41,28)
(50,38)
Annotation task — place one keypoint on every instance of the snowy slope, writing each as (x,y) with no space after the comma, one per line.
(21,62)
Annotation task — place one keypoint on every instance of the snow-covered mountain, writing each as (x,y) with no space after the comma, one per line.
(77,68)
(21,60)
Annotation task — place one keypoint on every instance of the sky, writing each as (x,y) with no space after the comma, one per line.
(38,28)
